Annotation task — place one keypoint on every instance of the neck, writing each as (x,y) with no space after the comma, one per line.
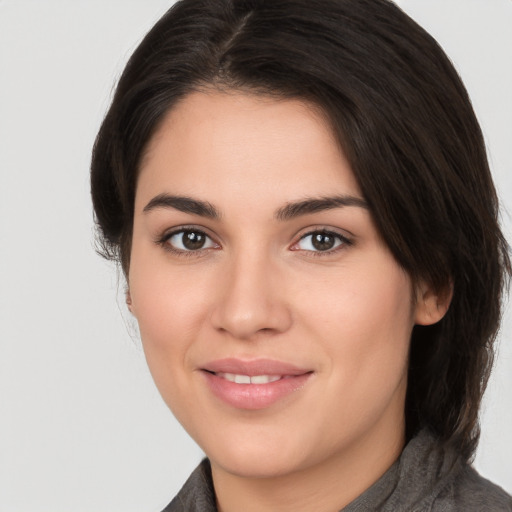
(328,486)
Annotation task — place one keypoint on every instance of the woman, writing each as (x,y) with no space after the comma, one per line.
(299,196)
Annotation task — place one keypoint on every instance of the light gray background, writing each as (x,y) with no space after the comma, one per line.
(82,427)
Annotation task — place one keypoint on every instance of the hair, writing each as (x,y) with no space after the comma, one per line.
(403,119)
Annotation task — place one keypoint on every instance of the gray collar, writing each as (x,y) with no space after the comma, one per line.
(426,477)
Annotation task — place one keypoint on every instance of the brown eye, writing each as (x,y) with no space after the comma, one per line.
(321,241)
(190,240)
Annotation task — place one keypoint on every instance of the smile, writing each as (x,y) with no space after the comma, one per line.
(256,384)
(248,379)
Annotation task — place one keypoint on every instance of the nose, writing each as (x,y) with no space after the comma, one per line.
(252,299)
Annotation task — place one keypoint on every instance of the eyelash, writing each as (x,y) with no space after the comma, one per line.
(344,242)
(163,241)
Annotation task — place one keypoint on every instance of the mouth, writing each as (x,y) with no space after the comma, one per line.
(251,379)
(247,379)
(254,385)
(230,367)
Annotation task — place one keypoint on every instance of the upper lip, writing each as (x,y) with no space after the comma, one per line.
(253,367)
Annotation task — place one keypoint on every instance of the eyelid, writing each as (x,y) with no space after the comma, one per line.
(345,238)
(164,238)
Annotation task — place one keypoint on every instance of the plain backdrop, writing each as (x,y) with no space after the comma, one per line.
(82,427)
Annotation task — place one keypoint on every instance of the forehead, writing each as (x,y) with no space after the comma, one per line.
(233,144)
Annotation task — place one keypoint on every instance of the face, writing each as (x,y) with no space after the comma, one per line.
(274,320)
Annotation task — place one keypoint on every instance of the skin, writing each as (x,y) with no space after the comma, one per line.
(260,289)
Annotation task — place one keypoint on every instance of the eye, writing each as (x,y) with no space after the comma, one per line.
(320,241)
(187,240)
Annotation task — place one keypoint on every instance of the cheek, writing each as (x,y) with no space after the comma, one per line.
(370,356)
(364,319)
(165,297)
(369,301)
(170,308)
(379,310)
(167,307)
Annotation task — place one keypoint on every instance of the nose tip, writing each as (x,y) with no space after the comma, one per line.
(244,322)
(251,302)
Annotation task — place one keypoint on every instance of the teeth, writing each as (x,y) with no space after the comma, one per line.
(242,379)
(246,379)
(264,379)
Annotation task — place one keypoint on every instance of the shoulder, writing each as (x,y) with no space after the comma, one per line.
(470,492)
(432,477)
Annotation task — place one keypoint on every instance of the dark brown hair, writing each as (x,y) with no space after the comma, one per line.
(403,119)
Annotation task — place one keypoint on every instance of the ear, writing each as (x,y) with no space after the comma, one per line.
(431,305)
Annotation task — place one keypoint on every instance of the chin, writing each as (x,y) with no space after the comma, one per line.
(258,454)
(256,465)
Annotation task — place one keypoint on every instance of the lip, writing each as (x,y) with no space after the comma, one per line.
(254,396)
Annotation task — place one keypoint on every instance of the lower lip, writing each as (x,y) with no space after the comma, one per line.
(255,396)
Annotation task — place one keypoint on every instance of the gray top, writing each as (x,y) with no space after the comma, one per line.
(425,478)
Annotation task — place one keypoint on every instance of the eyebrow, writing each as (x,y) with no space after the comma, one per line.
(289,211)
(183,204)
(315,205)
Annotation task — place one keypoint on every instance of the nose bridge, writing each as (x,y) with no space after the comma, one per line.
(251,298)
